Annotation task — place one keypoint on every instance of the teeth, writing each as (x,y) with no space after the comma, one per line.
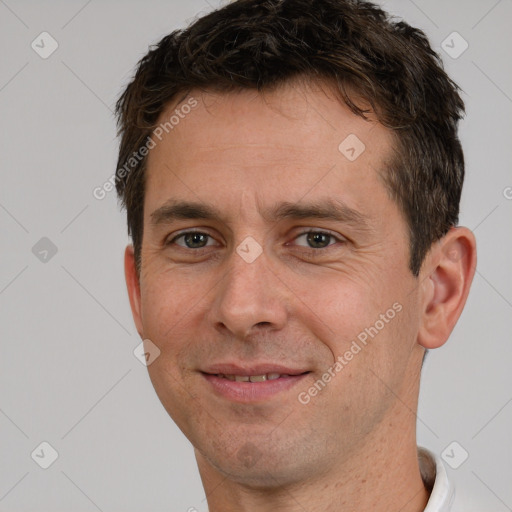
(258,378)
(251,378)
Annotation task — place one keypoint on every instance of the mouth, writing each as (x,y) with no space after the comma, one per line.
(252,385)
(253,378)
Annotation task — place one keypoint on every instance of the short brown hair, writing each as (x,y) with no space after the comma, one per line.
(356,46)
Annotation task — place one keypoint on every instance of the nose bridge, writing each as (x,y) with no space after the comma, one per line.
(248,294)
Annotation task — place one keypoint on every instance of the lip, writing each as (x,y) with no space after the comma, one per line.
(253,369)
(252,392)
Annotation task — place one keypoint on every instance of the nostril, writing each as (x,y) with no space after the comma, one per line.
(262,324)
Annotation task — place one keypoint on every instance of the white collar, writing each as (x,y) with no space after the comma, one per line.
(434,475)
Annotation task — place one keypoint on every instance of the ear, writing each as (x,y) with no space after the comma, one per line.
(133,286)
(445,282)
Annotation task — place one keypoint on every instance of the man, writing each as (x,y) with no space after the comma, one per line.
(292,174)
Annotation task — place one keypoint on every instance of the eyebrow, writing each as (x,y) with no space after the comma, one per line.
(327,209)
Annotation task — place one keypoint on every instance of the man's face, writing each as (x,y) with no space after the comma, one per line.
(218,308)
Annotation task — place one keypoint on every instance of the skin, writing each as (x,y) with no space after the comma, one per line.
(353,446)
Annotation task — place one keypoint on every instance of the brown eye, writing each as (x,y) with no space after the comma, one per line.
(317,239)
(192,240)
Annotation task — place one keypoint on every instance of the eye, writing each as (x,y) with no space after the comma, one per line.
(318,239)
(192,240)
(310,239)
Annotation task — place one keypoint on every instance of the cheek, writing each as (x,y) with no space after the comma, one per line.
(166,307)
(174,308)
(367,325)
(338,308)
(169,308)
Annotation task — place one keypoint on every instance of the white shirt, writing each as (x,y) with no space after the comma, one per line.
(434,473)
(444,497)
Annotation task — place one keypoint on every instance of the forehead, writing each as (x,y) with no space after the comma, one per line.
(297,139)
(310,112)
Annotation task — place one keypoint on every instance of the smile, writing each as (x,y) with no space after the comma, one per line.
(252,378)
(252,388)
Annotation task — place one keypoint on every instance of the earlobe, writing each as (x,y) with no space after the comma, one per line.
(133,287)
(445,288)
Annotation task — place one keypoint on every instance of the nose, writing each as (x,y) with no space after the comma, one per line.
(249,296)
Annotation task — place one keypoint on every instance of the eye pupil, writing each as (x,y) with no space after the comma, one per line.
(194,240)
(318,239)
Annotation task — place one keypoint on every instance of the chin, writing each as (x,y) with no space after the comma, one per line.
(258,465)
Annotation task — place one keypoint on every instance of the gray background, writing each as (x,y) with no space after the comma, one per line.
(68,375)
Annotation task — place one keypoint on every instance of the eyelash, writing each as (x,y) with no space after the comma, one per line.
(311,250)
